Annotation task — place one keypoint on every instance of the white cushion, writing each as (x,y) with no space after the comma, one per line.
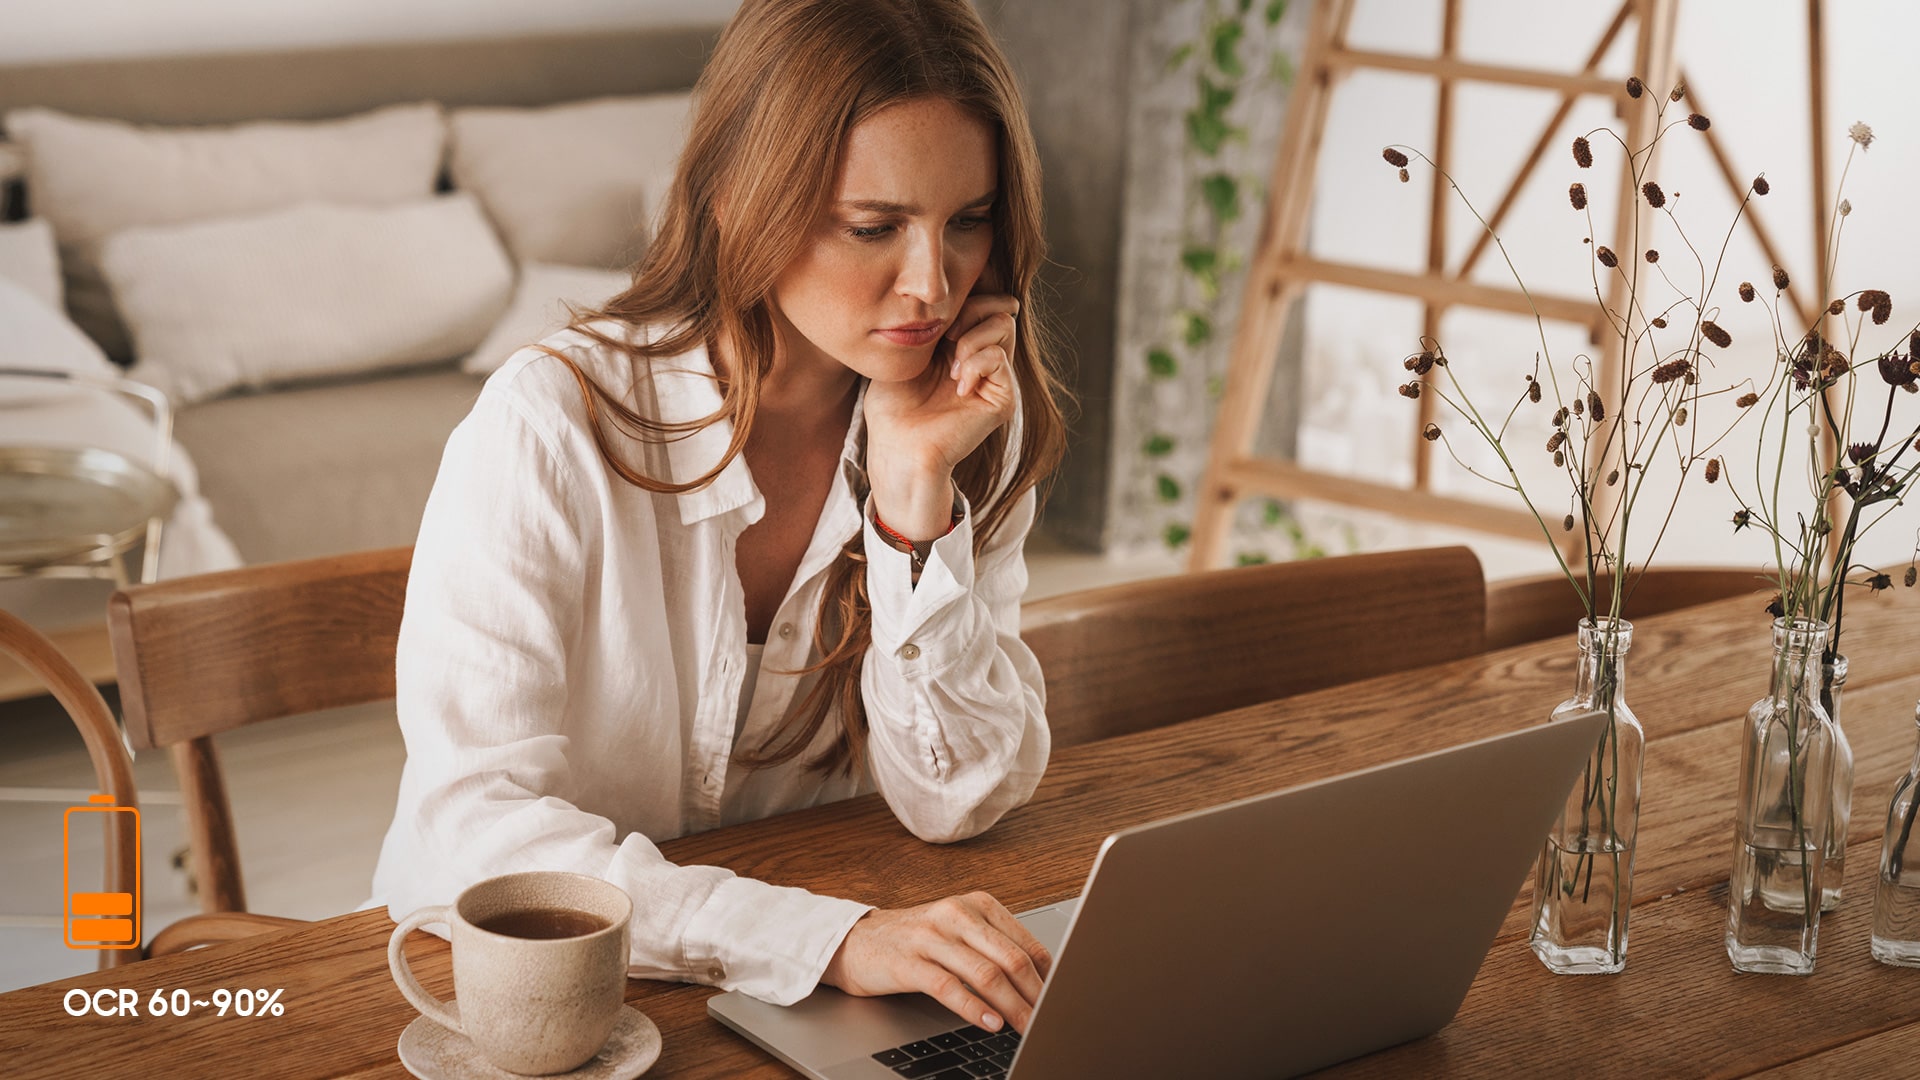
(572,184)
(29,259)
(40,337)
(314,290)
(92,178)
(540,307)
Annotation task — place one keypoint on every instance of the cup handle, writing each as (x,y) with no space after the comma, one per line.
(431,1007)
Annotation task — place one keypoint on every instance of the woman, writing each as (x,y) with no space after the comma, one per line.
(749,538)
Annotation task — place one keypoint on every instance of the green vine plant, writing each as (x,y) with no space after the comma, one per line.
(1215,201)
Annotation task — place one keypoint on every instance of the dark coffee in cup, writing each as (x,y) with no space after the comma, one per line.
(543,923)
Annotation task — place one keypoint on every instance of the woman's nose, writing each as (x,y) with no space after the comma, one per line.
(924,277)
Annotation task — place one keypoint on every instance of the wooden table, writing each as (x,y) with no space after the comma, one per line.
(1679,1009)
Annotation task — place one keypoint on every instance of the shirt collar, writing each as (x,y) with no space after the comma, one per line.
(687,390)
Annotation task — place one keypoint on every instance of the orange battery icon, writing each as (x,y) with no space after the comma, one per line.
(100,920)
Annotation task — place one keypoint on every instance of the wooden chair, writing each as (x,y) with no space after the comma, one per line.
(112,765)
(1129,657)
(201,655)
(1532,608)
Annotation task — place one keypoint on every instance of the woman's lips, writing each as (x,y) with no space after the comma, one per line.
(911,337)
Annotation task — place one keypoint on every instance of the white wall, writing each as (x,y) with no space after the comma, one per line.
(47,30)
(1747,64)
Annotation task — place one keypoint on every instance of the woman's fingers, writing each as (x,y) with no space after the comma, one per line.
(950,990)
(1021,938)
(987,364)
(977,308)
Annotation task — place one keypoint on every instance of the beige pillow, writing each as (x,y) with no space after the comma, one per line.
(28,259)
(572,184)
(92,178)
(539,309)
(315,290)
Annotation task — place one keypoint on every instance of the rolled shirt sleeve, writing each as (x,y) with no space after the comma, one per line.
(956,704)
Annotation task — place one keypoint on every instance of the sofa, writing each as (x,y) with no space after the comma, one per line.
(303,445)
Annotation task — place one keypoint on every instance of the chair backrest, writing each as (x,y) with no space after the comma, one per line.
(200,655)
(1129,657)
(112,765)
(1532,608)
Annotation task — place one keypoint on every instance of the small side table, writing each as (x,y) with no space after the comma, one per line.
(77,512)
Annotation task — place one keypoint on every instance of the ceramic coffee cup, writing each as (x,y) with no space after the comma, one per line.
(539,967)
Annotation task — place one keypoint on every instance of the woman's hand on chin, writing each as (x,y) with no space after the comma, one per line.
(918,430)
(966,952)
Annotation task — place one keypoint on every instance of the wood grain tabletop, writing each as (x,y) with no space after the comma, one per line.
(1679,1009)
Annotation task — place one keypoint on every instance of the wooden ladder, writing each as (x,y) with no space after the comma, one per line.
(1282,267)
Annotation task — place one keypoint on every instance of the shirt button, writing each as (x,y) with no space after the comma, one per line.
(910,651)
(786,629)
(716,973)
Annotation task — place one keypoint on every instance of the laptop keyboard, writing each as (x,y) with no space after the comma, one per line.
(961,1054)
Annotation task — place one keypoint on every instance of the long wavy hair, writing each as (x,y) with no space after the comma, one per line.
(787,82)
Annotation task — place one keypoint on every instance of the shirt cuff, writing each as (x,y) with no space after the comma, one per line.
(901,609)
(771,942)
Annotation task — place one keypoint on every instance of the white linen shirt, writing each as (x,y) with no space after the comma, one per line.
(572,653)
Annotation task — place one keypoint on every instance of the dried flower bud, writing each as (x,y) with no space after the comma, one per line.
(1837,307)
(1613,477)
(1846,207)
(1655,197)
(1394,157)
(1567,524)
(1882,312)
(1558,440)
(1653,256)
(1713,470)
(1430,432)
(1713,332)
(1779,278)
(1741,519)
(1913,343)
(1578,194)
(1861,134)
(1679,91)
(1896,370)
(1834,364)
(1560,418)
(1761,187)
(1582,153)
(1634,86)
(1405,176)
(1606,256)
(1747,400)
(1533,391)
(1859,453)
(1411,389)
(1659,322)
(1559,459)
(1912,576)
(1671,370)
(1870,299)
(1680,416)
(1595,408)
(1698,122)
(1775,607)
(1878,582)
(1746,292)
(1579,407)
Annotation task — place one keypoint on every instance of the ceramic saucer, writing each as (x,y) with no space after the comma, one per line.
(432,1052)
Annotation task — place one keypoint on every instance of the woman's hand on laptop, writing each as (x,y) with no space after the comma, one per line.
(957,951)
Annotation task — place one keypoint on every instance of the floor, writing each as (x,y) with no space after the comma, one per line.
(311,797)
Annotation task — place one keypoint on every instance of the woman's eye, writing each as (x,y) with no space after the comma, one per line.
(868,232)
(968,224)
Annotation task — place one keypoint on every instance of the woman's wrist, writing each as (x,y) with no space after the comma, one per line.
(915,501)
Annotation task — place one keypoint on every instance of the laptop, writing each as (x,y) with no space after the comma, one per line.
(1266,937)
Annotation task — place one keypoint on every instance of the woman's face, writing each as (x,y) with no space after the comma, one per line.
(899,249)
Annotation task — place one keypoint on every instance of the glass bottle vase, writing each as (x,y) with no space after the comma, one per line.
(1833,681)
(1786,795)
(1896,898)
(1583,883)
